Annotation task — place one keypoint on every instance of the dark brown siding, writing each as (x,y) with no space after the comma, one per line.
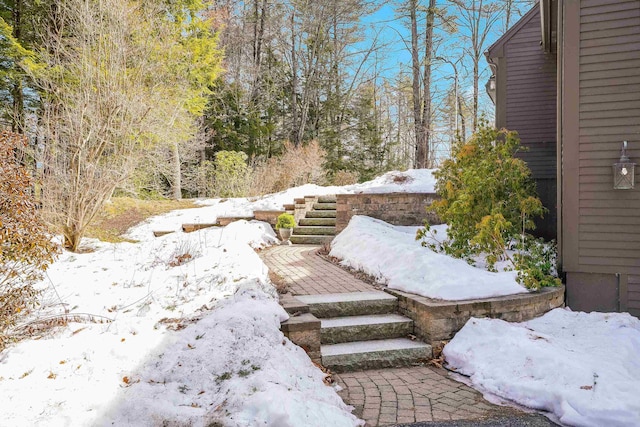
(633,302)
(531,98)
(601,108)
(531,110)
(609,112)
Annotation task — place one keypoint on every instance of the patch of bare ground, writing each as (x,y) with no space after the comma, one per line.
(122,213)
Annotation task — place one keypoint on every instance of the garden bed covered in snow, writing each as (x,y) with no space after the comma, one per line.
(438,292)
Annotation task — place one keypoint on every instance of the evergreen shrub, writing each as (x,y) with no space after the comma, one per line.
(285,220)
(488,200)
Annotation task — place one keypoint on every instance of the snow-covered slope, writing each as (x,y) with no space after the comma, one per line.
(182,329)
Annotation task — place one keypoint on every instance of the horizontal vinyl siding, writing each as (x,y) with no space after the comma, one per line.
(609,112)
(531,99)
(633,298)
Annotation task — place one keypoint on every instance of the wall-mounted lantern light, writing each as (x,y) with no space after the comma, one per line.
(491,88)
(623,171)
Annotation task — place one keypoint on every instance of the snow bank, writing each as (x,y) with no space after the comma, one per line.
(582,367)
(392,255)
(189,335)
(411,181)
(235,367)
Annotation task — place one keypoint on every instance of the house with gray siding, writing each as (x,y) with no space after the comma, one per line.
(567,78)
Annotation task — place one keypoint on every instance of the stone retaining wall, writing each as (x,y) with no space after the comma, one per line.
(394,208)
(436,320)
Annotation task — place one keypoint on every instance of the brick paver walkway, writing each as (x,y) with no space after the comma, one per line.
(385,396)
(308,274)
(419,393)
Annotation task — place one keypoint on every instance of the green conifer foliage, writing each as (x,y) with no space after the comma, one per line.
(489,201)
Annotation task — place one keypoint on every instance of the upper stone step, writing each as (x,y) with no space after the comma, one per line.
(318,221)
(360,328)
(327,199)
(324,206)
(350,303)
(374,354)
(315,229)
(321,214)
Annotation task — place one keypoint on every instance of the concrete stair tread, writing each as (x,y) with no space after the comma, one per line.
(317,221)
(327,199)
(312,239)
(324,206)
(359,347)
(345,297)
(371,319)
(329,213)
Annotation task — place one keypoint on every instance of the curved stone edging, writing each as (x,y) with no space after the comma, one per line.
(437,320)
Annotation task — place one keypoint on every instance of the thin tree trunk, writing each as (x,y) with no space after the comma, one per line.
(476,78)
(463,125)
(294,82)
(17,122)
(176,186)
(423,162)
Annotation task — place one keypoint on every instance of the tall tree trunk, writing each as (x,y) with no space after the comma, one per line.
(258,40)
(476,93)
(294,82)
(417,95)
(424,160)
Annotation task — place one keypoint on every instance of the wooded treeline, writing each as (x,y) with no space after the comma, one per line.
(229,97)
(379,84)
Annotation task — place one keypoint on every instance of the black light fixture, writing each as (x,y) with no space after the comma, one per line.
(623,171)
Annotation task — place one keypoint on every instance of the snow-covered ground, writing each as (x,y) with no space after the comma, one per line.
(584,368)
(177,330)
(184,330)
(392,254)
(411,181)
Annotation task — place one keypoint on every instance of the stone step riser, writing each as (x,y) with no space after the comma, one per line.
(321,214)
(324,206)
(377,359)
(315,230)
(353,308)
(327,222)
(352,333)
(310,239)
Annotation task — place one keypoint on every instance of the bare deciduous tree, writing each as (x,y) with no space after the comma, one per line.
(477,19)
(107,100)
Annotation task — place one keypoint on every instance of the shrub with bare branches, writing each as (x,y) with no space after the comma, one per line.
(26,248)
(297,166)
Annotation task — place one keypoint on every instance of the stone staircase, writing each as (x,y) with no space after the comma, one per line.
(319,224)
(362,330)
